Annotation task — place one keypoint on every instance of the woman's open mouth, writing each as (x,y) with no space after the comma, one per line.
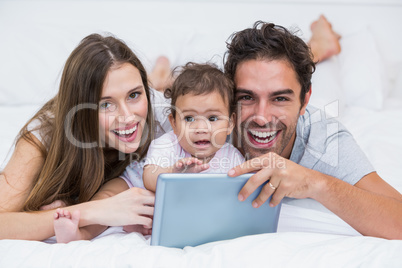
(127,135)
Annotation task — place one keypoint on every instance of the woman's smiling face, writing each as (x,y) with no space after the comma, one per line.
(123,108)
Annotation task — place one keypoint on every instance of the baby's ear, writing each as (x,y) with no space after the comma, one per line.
(232,123)
(172,122)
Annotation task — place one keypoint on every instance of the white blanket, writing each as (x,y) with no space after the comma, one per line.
(290,249)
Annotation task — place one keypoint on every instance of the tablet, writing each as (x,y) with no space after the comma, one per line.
(197,208)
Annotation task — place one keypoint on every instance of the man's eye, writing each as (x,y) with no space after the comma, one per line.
(213,118)
(189,119)
(280,99)
(245,98)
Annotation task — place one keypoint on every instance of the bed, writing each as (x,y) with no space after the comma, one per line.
(361,87)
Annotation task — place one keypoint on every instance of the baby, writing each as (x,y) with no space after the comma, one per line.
(202,117)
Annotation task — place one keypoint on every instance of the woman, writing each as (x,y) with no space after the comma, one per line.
(79,142)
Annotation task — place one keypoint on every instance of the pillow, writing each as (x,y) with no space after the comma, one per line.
(327,93)
(362,71)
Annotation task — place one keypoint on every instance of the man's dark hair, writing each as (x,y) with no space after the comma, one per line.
(267,41)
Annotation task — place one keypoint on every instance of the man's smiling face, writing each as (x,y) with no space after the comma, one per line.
(269,95)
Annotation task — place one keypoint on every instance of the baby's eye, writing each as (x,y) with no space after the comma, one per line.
(213,118)
(189,119)
(134,95)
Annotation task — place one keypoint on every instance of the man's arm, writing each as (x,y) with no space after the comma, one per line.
(372,207)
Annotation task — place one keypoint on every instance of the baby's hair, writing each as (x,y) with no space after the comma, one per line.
(200,79)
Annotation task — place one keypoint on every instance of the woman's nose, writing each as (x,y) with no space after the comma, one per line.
(125,115)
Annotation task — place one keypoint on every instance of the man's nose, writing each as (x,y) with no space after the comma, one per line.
(262,113)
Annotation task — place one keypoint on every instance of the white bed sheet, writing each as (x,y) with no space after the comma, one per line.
(291,249)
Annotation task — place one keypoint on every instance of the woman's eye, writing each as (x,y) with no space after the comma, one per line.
(189,119)
(134,95)
(213,118)
(105,105)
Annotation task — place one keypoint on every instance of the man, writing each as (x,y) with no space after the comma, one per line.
(298,155)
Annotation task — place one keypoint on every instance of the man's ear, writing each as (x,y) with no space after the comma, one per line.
(172,122)
(232,123)
(306,100)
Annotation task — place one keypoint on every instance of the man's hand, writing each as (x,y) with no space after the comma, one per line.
(284,178)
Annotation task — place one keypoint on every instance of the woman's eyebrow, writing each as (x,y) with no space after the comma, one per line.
(136,88)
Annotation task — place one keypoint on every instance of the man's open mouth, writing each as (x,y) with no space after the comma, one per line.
(263,136)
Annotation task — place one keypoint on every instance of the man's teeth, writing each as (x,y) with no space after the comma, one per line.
(261,136)
(127,131)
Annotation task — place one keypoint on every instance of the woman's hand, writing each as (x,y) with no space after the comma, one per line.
(138,229)
(134,206)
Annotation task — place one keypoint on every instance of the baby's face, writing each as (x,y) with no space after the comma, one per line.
(202,123)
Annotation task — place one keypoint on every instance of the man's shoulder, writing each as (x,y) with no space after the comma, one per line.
(318,133)
(317,124)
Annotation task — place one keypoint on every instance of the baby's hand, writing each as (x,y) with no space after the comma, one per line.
(189,165)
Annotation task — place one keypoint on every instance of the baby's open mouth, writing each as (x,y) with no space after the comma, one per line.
(202,142)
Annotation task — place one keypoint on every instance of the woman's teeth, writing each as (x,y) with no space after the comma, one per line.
(125,132)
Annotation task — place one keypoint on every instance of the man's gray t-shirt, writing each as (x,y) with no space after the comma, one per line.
(324,144)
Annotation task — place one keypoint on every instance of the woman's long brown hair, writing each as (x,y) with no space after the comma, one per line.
(76,165)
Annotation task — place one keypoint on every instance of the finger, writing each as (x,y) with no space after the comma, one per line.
(146,211)
(263,161)
(199,168)
(148,200)
(253,183)
(145,221)
(277,197)
(266,191)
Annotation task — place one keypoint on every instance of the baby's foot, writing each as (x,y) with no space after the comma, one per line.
(66,225)
(324,42)
(160,78)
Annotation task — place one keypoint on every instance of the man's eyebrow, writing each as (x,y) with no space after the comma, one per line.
(244,91)
(287,91)
(282,92)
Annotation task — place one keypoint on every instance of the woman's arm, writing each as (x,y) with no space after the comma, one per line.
(111,188)
(16,183)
